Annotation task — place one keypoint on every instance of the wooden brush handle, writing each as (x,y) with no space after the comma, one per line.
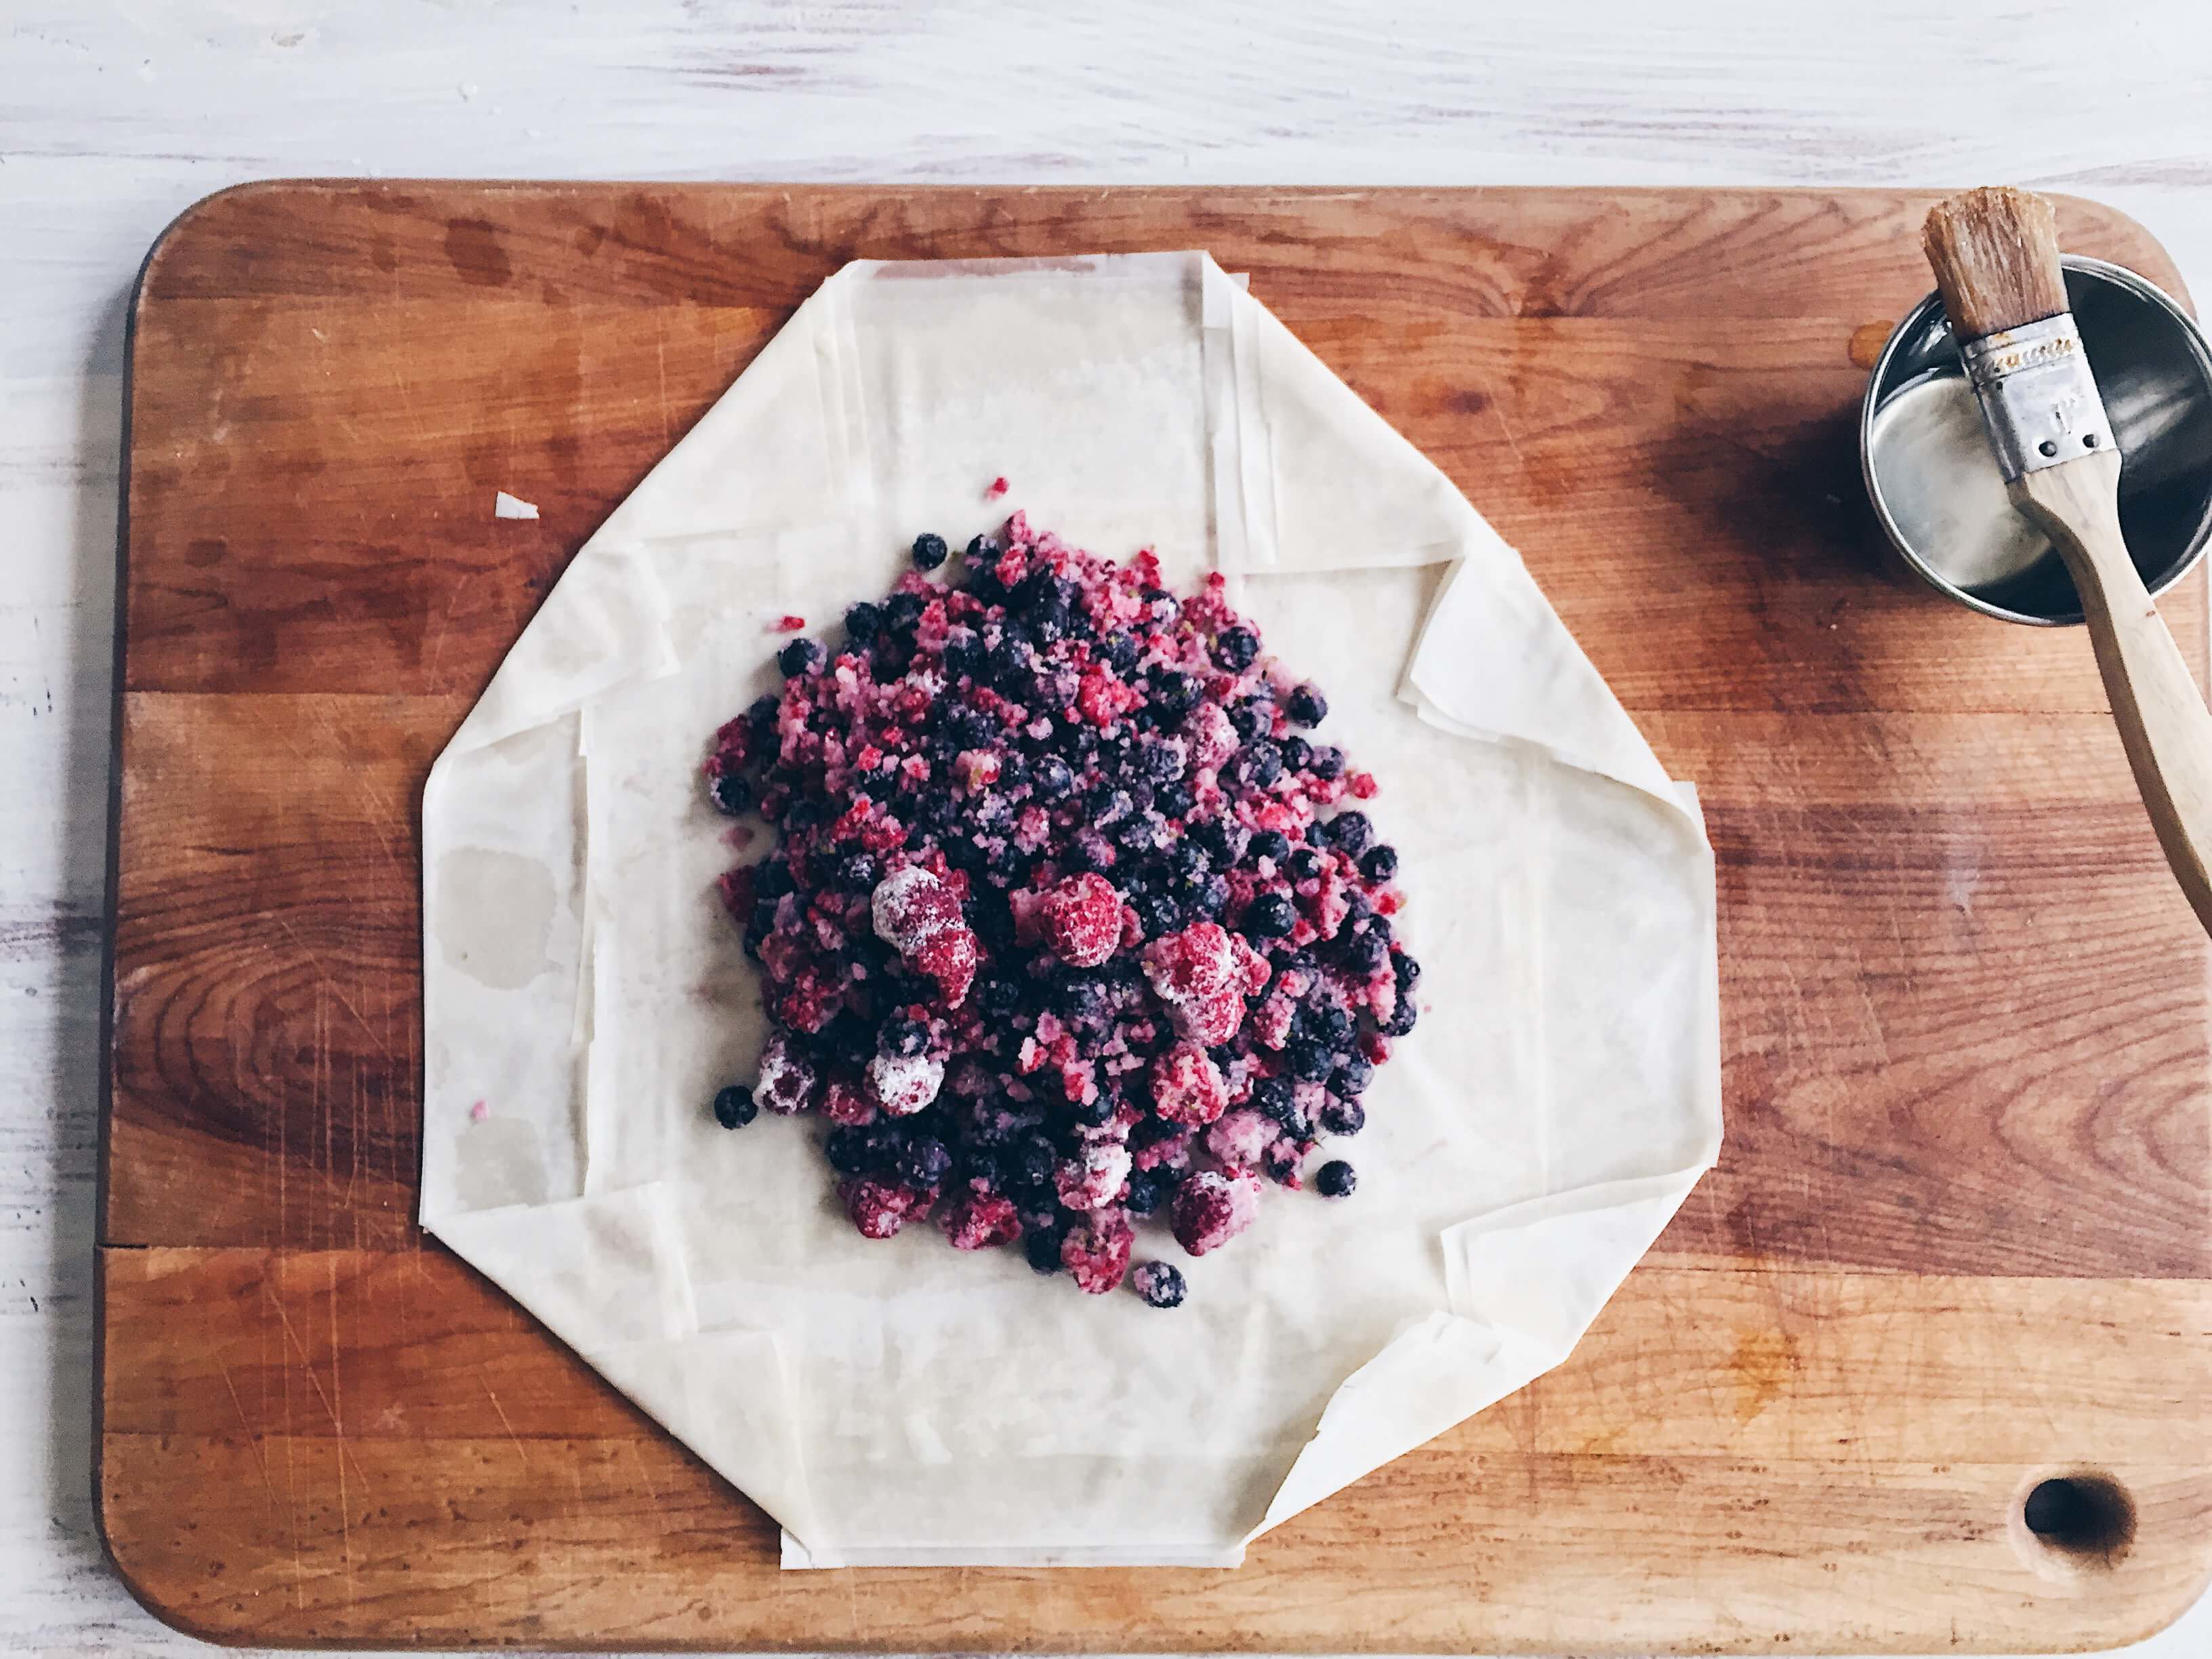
(2164,723)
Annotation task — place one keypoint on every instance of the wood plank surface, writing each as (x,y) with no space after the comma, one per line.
(1958,1238)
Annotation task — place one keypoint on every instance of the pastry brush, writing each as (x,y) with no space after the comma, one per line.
(1996,255)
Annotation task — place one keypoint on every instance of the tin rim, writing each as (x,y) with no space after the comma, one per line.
(1916,318)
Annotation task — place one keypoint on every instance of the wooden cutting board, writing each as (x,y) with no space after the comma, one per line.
(1958,1243)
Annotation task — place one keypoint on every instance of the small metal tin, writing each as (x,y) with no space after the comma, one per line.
(1935,481)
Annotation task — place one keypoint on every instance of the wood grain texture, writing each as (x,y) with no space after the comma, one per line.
(406,1446)
(1959,1234)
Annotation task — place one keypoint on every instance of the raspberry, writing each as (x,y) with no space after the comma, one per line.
(903,1084)
(786,1083)
(1091,1180)
(1081,920)
(977,1222)
(843,1104)
(1187,1087)
(1240,1139)
(880,1208)
(1210,1209)
(1097,1251)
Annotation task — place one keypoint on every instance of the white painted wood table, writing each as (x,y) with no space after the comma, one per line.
(115,117)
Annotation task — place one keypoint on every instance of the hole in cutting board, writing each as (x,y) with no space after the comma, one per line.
(2078,1521)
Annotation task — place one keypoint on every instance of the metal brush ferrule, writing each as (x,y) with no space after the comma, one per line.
(2039,399)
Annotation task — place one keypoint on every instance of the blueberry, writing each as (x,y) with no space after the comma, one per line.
(1079,998)
(981,1164)
(903,612)
(1334,1021)
(1402,1018)
(1089,851)
(1053,780)
(1306,865)
(1007,665)
(760,714)
(997,999)
(772,877)
(980,548)
(1157,914)
(929,551)
(1149,1189)
(1013,772)
(1107,805)
(926,1162)
(1094,1113)
(859,872)
(1278,1097)
(1139,832)
(732,792)
(1121,651)
(1406,969)
(1162,763)
(1033,1162)
(1353,1076)
(1251,720)
(1218,837)
(1262,763)
(862,622)
(1335,1179)
(1306,706)
(848,1038)
(1379,863)
(1213,895)
(1269,844)
(963,656)
(904,1037)
(799,657)
(1343,1117)
(1270,917)
(1310,1061)
(1160,1285)
(1173,800)
(1326,763)
(1235,648)
(1172,693)
(1298,754)
(1190,861)
(846,1150)
(1350,832)
(734,1107)
(1365,950)
(1042,1246)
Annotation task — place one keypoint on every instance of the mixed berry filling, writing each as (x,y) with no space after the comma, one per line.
(1071,921)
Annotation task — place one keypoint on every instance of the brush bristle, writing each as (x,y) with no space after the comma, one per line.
(1996,254)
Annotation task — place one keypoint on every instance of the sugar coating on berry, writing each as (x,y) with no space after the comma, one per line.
(880,1208)
(977,1221)
(1160,1283)
(1096,1251)
(1063,924)
(903,1084)
(1187,1087)
(1211,1208)
(1080,919)
(911,907)
(1092,1179)
(786,1083)
(1241,1139)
